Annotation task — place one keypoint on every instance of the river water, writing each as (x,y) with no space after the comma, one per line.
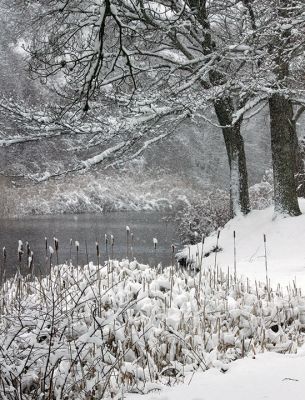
(87,228)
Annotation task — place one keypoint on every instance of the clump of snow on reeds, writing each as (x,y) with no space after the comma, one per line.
(98,331)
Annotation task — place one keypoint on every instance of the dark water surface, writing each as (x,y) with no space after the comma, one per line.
(87,227)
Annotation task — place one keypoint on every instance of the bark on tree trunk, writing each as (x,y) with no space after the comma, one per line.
(299,157)
(239,194)
(224,108)
(283,155)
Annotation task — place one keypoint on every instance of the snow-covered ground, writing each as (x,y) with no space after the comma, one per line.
(285,244)
(268,376)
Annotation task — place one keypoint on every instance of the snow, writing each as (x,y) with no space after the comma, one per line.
(124,328)
(285,238)
(258,376)
(158,325)
(267,376)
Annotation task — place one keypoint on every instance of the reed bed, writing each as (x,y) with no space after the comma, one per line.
(103,330)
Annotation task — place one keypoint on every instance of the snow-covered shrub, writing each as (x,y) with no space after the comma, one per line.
(261,194)
(203,215)
(96,193)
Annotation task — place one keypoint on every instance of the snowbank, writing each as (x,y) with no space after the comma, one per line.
(285,243)
(267,376)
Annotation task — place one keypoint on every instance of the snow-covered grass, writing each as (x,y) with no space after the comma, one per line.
(106,330)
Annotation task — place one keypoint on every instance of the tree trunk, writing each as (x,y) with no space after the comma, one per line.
(283,155)
(299,155)
(224,108)
(239,194)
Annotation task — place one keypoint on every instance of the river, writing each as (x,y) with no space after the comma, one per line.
(87,228)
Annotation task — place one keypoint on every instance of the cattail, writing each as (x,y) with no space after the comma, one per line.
(20,250)
(87,254)
(201,258)
(202,246)
(97,253)
(173,253)
(77,248)
(266,264)
(28,250)
(172,276)
(71,244)
(46,245)
(112,245)
(4,265)
(127,239)
(155,242)
(132,241)
(234,239)
(56,246)
(216,249)
(30,260)
(51,251)
(106,247)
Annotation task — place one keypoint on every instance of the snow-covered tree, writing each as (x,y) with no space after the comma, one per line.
(154,56)
(135,70)
(278,39)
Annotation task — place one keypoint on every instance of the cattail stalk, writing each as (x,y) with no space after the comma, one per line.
(87,254)
(77,251)
(112,247)
(71,244)
(155,242)
(234,239)
(107,258)
(46,246)
(266,265)
(97,253)
(127,241)
(216,249)
(56,246)
(132,244)
(172,276)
